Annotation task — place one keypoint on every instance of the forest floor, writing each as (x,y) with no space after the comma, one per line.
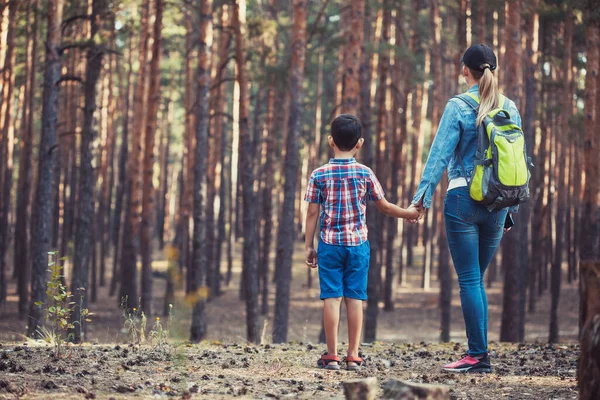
(224,366)
(221,371)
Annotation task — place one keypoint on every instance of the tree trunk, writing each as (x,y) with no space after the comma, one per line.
(365,72)
(107,172)
(163,192)
(561,156)
(246,170)
(131,241)
(120,197)
(588,371)
(267,203)
(352,55)
(198,329)
(40,229)
(85,194)
(399,97)
(381,129)
(21,256)
(221,133)
(528,128)
(513,264)
(589,281)
(285,245)
(7,138)
(148,162)
(188,151)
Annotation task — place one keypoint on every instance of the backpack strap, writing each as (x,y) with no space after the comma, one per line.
(472,100)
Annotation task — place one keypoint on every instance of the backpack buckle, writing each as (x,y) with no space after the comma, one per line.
(495,204)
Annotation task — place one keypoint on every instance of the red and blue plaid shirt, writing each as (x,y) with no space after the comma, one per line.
(342,188)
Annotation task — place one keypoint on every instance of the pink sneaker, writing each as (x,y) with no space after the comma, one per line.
(470,364)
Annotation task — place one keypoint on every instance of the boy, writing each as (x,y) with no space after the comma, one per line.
(339,191)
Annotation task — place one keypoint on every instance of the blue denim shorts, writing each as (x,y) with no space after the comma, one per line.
(343,270)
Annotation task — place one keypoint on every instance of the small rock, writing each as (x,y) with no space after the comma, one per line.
(81,389)
(49,385)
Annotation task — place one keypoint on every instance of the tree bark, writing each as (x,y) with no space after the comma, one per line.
(7,138)
(131,241)
(148,162)
(221,133)
(40,229)
(267,203)
(532,24)
(352,55)
(21,256)
(198,329)
(285,245)
(588,372)
(514,265)
(122,190)
(561,156)
(85,194)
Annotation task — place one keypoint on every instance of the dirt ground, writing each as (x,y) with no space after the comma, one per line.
(224,366)
(220,371)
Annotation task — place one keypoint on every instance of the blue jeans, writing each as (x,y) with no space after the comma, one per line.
(474,234)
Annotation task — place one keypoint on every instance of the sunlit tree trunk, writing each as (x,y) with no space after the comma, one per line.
(285,242)
(131,237)
(352,55)
(42,206)
(9,20)
(246,171)
(221,102)
(107,168)
(148,161)
(188,151)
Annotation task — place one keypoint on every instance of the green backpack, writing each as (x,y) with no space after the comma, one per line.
(501,174)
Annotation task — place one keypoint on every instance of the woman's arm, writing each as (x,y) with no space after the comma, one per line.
(440,153)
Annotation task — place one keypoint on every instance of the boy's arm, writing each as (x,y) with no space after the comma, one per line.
(377,195)
(312,217)
(392,210)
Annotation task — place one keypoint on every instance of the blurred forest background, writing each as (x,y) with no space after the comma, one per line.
(132,126)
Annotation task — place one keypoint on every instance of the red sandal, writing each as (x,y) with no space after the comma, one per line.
(357,363)
(329,362)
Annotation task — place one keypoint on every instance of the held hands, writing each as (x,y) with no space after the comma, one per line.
(418,211)
(310,257)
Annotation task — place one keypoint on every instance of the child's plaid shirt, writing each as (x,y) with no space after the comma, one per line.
(342,188)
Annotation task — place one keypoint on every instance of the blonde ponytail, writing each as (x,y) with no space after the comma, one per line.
(488,91)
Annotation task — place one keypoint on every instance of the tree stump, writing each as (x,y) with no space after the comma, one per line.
(402,390)
(361,389)
(589,360)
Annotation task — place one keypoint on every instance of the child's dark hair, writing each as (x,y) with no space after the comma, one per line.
(346,130)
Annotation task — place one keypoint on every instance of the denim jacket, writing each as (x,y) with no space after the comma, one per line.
(456,132)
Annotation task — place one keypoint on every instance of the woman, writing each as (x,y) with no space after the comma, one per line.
(473,232)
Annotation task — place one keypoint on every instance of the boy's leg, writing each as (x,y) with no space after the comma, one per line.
(354,309)
(355,292)
(331,320)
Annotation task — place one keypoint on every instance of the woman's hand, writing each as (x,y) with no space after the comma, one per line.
(420,209)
